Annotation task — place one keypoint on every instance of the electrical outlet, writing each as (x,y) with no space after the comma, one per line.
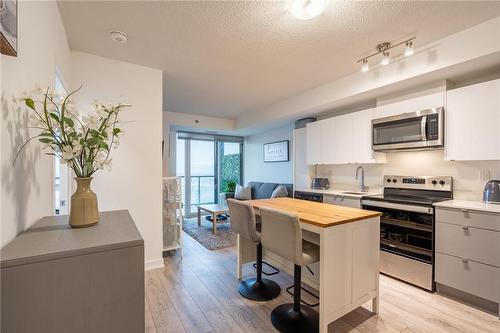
(485,175)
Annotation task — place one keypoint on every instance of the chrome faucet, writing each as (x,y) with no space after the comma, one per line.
(363,187)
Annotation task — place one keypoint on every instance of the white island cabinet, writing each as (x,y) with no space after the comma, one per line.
(349,241)
(473,122)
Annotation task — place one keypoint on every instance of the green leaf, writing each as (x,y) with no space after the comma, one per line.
(30,103)
(92,141)
(95,133)
(46,140)
(116,130)
(54,116)
(103,145)
(46,134)
(69,121)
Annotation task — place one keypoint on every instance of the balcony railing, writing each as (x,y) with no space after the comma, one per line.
(202,191)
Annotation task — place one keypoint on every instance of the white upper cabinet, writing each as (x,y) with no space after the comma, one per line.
(313,142)
(341,140)
(328,136)
(411,105)
(344,139)
(362,132)
(473,122)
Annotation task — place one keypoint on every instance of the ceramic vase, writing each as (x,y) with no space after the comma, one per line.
(84,212)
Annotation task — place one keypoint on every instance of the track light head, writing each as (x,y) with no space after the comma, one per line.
(385,58)
(409,48)
(364,65)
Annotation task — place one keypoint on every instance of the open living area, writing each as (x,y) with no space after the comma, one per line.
(297,166)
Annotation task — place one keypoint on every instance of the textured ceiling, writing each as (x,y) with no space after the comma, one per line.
(225,58)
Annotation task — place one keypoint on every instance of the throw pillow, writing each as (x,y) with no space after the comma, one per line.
(243,192)
(279,192)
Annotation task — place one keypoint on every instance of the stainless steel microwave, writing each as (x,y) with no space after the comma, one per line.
(409,131)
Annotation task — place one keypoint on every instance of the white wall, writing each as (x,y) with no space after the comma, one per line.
(191,122)
(468,184)
(27,188)
(135,180)
(254,168)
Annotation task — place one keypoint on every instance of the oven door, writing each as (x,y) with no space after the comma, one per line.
(406,241)
(416,130)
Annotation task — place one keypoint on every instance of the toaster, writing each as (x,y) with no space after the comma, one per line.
(320,183)
(492,192)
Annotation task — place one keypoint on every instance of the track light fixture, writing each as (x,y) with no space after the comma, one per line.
(383,48)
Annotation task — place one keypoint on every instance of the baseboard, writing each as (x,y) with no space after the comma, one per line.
(154,264)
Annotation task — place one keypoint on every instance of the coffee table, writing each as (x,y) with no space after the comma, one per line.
(214,210)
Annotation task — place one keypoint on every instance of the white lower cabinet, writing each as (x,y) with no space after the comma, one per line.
(340,200)
(469,276)
(468,251)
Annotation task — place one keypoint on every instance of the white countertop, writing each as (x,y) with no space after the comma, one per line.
(472,205)
(339,192)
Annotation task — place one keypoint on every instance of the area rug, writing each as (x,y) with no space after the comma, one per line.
(203,234)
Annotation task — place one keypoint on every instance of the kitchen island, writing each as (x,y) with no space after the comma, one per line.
(349,240)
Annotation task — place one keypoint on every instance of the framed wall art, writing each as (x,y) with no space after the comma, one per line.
(276,151)
(8,27)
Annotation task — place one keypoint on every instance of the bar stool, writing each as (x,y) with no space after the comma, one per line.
(281,234)
(243,222)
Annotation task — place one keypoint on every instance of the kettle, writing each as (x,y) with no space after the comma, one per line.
(492,192)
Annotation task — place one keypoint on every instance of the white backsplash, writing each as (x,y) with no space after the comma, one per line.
(468,184)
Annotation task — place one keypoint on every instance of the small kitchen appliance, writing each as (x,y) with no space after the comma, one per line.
(320,183)
(407,225)
(409,131)
(492,192)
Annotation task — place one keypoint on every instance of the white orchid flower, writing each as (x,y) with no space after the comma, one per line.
(67,153)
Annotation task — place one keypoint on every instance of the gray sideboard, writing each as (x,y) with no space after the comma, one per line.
(58,279)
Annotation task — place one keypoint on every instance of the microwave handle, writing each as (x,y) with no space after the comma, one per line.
(423,128)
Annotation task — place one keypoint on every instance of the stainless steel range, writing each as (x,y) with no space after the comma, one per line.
(407,225)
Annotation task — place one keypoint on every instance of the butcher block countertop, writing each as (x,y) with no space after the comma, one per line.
(315,213)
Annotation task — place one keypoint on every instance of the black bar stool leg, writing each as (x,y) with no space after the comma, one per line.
(292,317)
(259,289)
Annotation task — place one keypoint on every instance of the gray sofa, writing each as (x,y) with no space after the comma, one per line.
(261,191)
(264,190)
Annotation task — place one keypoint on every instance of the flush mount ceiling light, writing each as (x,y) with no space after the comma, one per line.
(306,9)
(383,48)
(118,36)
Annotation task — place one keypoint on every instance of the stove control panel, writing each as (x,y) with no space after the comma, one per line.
(420,182)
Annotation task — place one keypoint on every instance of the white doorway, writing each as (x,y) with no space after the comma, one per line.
(62,174)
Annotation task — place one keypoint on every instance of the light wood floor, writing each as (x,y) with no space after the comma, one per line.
(198,293)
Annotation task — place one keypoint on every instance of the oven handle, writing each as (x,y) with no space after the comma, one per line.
(409,208)
(423,128)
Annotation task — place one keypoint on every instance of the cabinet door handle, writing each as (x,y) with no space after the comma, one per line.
(465,211)
(465,227)
(465,261)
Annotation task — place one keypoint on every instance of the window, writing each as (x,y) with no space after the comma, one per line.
(206,163)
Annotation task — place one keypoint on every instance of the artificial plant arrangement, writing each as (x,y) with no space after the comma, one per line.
(82,141)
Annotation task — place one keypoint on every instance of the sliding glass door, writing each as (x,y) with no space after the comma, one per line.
(206,165)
